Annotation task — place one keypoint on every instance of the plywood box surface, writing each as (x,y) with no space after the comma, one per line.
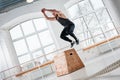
(67,62)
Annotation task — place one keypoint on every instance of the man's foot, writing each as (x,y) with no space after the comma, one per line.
(72,44)
(77,41)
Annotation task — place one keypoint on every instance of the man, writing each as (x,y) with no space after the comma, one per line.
(68,25)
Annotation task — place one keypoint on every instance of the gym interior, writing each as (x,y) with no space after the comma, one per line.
(31,47)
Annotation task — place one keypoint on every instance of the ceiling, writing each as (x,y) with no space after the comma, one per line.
(6,5)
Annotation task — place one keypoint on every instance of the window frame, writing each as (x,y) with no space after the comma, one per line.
(72,3)
(33,34)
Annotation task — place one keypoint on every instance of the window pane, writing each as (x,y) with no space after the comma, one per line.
(108,26)
(79,26)
(97,4)
(40,24)
(103,16)
(33,42)
(24,58)
(16,32)
(86,43)
(87,35)
(99,38)
(89,42)
(111,34)
(28,27)
(51,56)
(49,49)
(81,36)
(96,31)
(74,11)
(45,38)
(85,6)
(84,35)
(20,47)
(40,60)
(27,66)
(83,45)
(91,21)
(37,54)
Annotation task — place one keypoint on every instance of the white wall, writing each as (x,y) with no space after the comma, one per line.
(21,14)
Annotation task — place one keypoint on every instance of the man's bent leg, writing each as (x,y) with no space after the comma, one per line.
(73,35)
(70,31)
(64,37)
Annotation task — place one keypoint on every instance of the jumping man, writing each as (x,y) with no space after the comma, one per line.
(68,25)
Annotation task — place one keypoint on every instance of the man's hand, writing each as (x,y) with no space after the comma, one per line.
(43,10)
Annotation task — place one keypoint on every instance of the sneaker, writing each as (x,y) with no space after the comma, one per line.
(72,43)
(77,41)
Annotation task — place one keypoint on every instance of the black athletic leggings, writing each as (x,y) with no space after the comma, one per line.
(68,31)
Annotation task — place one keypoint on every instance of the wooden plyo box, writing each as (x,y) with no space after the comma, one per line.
(67,62)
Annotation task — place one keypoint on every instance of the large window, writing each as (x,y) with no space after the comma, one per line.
(32,39)
(92,20)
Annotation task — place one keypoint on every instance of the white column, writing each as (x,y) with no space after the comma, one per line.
(8,49)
